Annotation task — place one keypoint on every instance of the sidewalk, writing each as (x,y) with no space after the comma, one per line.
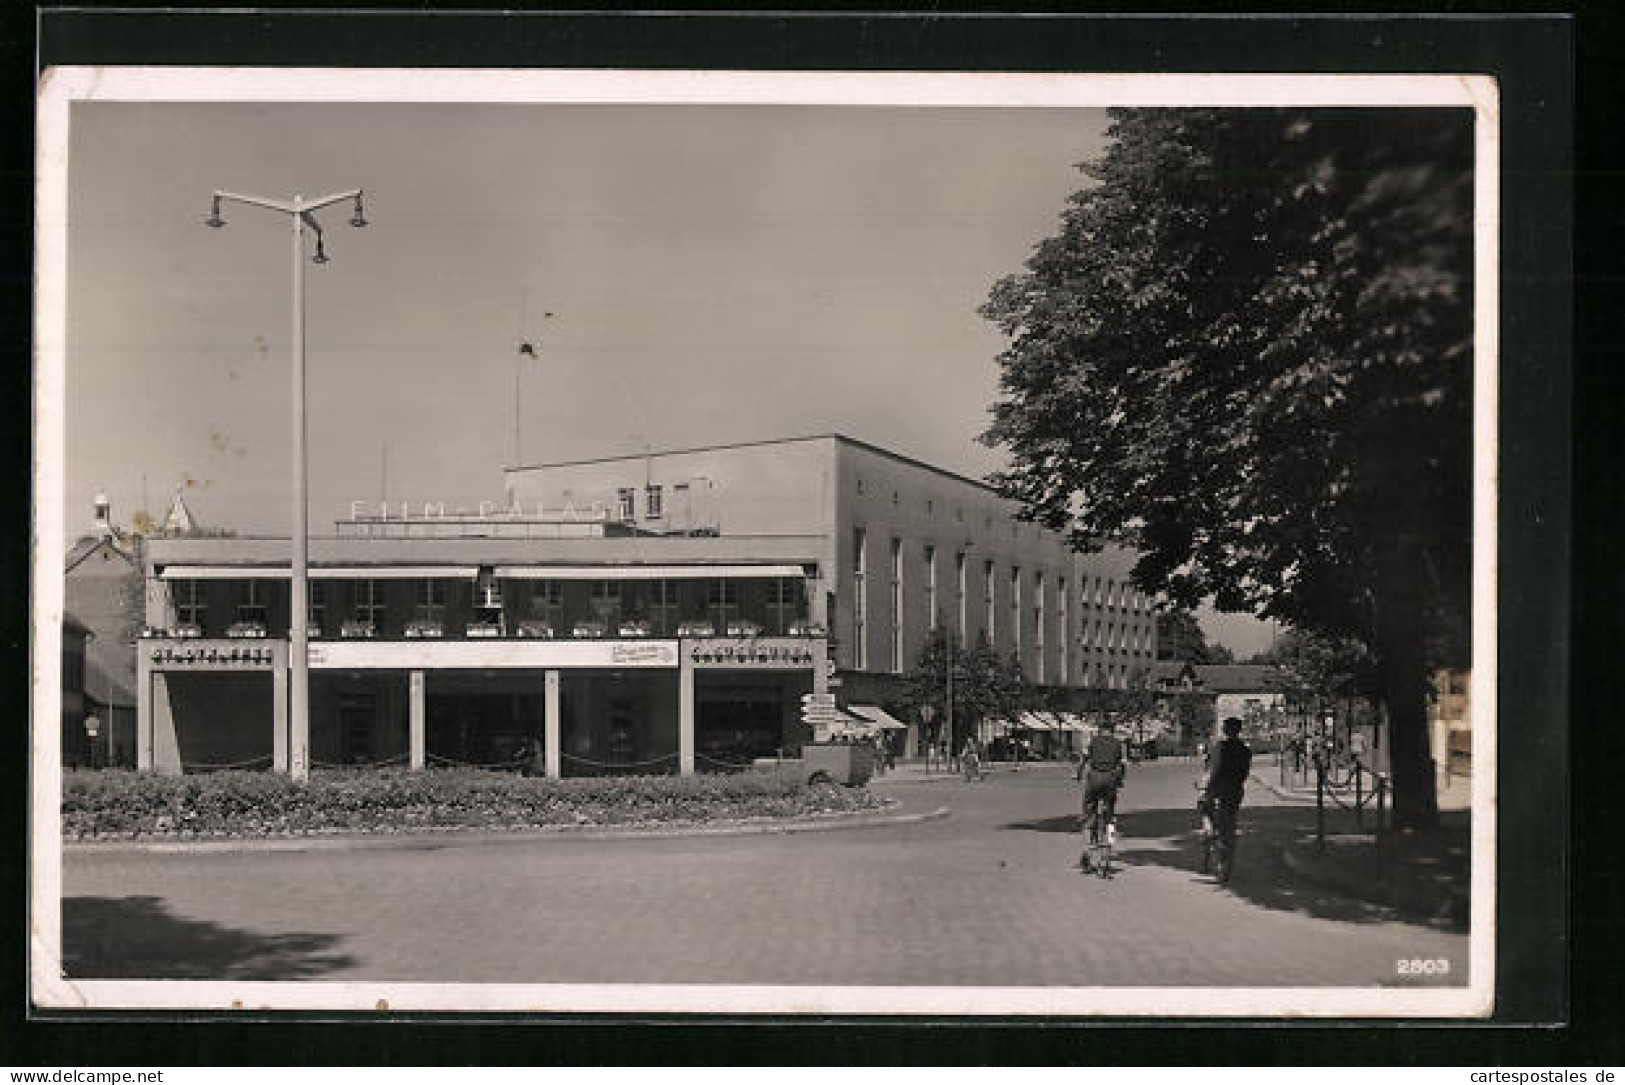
(1422,874)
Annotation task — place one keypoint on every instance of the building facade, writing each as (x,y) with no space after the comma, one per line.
(654,613)
(903,548)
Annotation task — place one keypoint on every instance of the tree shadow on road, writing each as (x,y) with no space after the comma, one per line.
(1169,838)
(137,938)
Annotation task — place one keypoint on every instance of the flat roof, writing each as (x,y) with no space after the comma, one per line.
(839,437)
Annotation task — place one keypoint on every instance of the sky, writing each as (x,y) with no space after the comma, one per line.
(715,273)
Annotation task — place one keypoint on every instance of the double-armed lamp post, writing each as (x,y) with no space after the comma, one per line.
(300,214)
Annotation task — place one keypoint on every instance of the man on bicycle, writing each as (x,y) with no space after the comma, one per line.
(1101,770)
(1232,763)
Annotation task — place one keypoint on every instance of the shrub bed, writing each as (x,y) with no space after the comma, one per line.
(125,805)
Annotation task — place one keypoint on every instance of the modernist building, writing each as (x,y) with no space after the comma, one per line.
(661,612)
(901,547)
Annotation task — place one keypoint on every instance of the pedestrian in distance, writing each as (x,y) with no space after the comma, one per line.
(970,761)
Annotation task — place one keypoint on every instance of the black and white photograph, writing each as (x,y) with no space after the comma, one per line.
(779,543)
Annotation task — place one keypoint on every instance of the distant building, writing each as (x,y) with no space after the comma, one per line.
(102,594)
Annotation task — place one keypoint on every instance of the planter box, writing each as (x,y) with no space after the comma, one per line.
(850,764)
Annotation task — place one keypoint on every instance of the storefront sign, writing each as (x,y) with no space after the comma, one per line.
(485,654)
(195,655)
(408,512)
(759,653)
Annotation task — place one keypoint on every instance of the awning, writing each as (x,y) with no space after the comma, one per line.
(645,572)
(323,572)
(1035,722)
(880,716)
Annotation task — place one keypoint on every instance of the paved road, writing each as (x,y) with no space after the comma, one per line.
(990,895)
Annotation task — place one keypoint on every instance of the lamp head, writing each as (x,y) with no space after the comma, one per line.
(321,253)
(360,219)
(214,220)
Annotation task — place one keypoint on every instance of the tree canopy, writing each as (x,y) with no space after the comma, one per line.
(1247,353)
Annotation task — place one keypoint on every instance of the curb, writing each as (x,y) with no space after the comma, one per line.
(453,837)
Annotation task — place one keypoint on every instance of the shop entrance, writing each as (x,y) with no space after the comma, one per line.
(740,717)
(222,721)
(618,723)
(485,719)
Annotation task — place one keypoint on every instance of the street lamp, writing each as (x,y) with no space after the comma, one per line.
(300,215)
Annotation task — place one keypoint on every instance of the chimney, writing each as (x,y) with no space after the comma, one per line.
(104,516)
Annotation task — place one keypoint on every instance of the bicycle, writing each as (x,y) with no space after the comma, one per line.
(1218,838)
(1100,832)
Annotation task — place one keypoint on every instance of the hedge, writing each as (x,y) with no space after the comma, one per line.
(125,805)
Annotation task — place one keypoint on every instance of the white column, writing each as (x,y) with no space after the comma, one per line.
(166,751)
(551,726)
(279,715)
(415,727)
(685,718)
(143,712)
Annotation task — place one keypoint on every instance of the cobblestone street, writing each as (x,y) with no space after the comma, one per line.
(990,895)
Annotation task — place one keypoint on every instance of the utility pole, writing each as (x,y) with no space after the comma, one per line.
(300,214)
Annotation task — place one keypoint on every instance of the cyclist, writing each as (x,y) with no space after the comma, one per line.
(1102,769)
(1232,762)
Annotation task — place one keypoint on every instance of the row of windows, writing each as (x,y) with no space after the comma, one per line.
(781,600)
(1133,638)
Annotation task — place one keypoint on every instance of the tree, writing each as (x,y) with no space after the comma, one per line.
(984,686)
(1247,354)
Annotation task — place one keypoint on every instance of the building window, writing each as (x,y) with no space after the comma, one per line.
(1038,625)
(369,603)
(251,601)
(605,602)
(722,597)
(784,601)
(663,599)
(989,613)
(653,503)
(431,605)
(931,586)
(1065,630)
(1015,609)
(896,594)
(189,603)
(962,595)
(546,599)
(624,503)
(860,609)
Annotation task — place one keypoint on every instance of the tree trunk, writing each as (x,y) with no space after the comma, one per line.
(1402,672)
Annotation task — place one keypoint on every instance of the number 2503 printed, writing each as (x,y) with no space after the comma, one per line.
(1422,966)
